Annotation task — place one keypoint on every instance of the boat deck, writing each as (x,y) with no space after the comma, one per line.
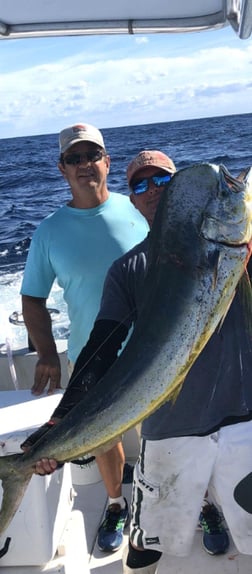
(199,561)
(78,552)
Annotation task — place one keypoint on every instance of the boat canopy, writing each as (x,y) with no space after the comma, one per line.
(31,18)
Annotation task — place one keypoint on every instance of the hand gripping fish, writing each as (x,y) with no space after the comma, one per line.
(198,251)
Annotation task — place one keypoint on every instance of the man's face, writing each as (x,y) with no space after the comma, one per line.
(148,201)
(88,174)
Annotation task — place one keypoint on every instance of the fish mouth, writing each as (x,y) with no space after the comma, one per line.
(230,244)
(230,234)
(227,217)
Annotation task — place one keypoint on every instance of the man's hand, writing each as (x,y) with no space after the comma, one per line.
(45,466)
(39,326)
(47,371)
(37,434)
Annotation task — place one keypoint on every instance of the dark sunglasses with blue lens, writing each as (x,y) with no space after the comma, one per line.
(142,185)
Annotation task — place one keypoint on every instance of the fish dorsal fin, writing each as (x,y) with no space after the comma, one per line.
(243,174)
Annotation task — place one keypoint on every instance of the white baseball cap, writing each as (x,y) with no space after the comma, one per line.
(78,133)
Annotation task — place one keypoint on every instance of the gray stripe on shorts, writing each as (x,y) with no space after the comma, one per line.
(136,535)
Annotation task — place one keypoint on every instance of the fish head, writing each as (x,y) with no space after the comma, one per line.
(227,217)
(201,208)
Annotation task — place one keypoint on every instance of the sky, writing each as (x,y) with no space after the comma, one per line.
(47,84)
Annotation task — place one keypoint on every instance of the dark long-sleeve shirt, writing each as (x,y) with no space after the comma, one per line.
(217,391)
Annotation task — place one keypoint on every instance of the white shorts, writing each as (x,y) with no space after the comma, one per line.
(170,481)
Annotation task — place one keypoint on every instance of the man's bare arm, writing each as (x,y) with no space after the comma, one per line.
(39,325)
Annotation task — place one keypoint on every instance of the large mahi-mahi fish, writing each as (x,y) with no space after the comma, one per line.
(199,248)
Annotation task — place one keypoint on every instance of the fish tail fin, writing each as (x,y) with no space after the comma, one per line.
(15,479)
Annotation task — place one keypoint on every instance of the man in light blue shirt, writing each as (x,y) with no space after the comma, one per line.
(76,245)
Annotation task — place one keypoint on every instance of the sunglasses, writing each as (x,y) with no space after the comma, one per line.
(142,185)
(77,158)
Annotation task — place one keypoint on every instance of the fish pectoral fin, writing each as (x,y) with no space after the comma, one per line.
(216,261)
(225,314)
(244,290)
(176,391)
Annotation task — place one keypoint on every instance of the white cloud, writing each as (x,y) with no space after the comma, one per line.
(141,40)
(122,90)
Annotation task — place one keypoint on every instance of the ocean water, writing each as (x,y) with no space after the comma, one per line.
(31,187)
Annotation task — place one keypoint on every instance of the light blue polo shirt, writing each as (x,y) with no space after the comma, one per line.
(77,246)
